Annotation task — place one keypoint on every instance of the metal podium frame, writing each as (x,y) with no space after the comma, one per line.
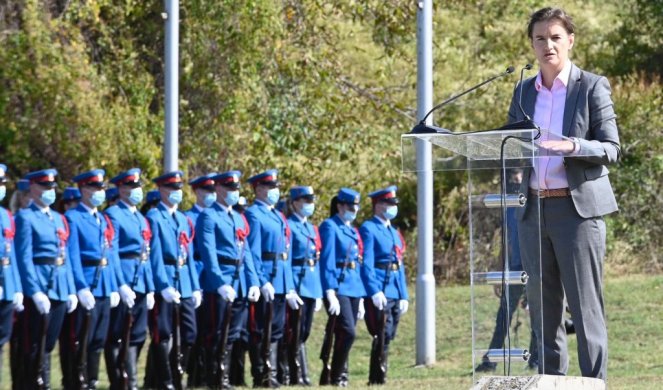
(487,156)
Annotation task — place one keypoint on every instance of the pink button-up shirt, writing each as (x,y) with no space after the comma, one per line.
(548,172)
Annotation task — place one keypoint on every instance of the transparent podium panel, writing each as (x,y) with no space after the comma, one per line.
(503,283)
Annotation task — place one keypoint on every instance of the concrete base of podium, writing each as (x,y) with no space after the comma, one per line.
(538,382)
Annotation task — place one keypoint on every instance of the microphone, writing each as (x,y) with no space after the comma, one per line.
(526,123)
(421,126)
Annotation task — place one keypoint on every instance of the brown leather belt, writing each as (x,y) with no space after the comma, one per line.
(553,193)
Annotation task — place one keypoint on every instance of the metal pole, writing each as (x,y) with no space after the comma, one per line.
(171,81)
(425,277)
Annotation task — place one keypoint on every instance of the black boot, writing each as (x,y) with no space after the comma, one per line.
(257,364)
(132,367)
(196,367)
(273,360)
(162,372)
(378,369)
(295,364)
(111,354)
(225,378)
(283,369)
(93,360)
(303,366)
(339,375)
(237,362)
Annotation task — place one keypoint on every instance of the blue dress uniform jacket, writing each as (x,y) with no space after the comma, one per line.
(340,244)
(383,250)
(305,242)
(10,279)
(130,231)
(269,236)
(218,238)
(194,213)
(165,250)
(88,241)
(37,236)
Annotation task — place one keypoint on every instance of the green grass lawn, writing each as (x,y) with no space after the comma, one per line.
(635,327)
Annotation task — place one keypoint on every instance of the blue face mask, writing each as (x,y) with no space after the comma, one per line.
(232,198)
(3,192)
(98,198)
(273,196)
(391,212)
(175,197)
(136,196)
(209,199)
(48,197)
(308,209)
(349,216)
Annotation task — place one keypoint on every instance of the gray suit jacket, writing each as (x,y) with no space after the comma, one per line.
(590,117)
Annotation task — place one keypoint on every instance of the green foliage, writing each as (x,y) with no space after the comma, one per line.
(321,90)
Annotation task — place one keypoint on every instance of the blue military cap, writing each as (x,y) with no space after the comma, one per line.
(268,178)
(71,193)
(205,182)
(112,194)
(23,185)
(94,178)
(301,192)
(45,177)
(385,195)
(3,171)
(129,177)
(171,179)
(153,196)
(347,195)
(228,179)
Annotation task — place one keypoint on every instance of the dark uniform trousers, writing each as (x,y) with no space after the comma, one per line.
(72,328)
(137,336)
(6,322)
(214,310)
(344,337)
(31,337)
(392,316)
(159,373)
(288,360)
(257,320)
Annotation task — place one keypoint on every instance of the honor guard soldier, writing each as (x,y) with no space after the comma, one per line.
(97,275)
(203,188)
(128,327)
(70,198)
(42,255)
(340,262)
(306,246)
(269,240)
(176,280)
(229,279)
(11,293)
(384,278)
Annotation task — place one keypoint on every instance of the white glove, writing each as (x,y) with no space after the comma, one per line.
(379,300)
(254,294)
(42,302)
(362,310)
(18,302)
(114,299)
(72,302)
(293,300)
(127,295)
(197,299)
(227,292)
(403,305)
(86,299)
(268,292)
(318,305)
(334,304)
(170,295)
(149,301)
